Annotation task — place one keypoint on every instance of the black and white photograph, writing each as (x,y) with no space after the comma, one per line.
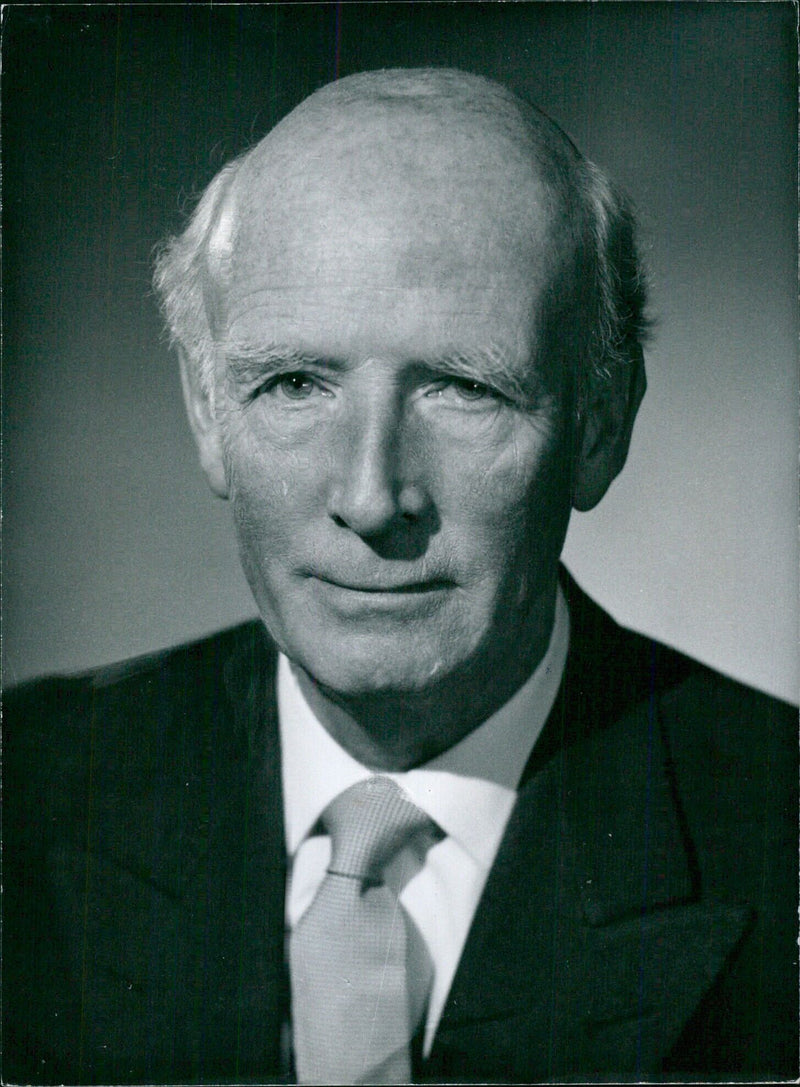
(400,553)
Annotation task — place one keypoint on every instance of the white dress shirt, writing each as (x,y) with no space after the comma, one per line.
(468,791)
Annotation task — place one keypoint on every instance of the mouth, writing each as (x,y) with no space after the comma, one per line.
(404,588)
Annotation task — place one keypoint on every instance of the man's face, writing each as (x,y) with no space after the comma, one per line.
(396,452)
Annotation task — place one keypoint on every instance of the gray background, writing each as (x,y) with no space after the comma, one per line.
(113,118)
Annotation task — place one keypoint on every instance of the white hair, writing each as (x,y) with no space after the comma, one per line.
(181,268)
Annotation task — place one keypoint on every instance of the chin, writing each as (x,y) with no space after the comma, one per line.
(363,666)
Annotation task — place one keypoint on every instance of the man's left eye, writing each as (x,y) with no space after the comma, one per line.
(462,388)
(471,390)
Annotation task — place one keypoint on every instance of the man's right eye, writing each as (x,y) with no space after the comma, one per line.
(296,386)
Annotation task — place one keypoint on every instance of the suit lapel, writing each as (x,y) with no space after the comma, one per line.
(591,946)
(262,982)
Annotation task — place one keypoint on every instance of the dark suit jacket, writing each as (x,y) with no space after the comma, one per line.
(639,922)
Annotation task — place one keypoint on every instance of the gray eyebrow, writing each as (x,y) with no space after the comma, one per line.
(487,366)
(250,363)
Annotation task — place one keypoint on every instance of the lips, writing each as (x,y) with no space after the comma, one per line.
(404,587)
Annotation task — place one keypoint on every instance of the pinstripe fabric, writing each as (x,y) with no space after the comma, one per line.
(360,976)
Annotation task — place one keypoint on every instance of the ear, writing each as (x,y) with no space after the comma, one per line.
(604,433)
(204,424)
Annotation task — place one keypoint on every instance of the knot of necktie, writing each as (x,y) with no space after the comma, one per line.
(369,823)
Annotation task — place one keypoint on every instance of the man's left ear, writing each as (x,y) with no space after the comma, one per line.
(604,433)
(204,424)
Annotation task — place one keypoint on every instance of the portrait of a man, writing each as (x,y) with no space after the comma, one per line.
(432,814)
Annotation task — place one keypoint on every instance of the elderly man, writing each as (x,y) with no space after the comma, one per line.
(436,817)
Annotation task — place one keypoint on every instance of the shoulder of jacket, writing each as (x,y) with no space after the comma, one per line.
(55,711)
(728,705)
(186,657)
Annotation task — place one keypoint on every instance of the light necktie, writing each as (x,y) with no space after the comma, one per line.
(359,969)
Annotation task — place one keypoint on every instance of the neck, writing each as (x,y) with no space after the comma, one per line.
(397,730)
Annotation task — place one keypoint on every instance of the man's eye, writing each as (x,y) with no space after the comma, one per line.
(471,390)
(462,388)
(296,385)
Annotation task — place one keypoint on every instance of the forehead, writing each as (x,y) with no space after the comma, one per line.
(388,218)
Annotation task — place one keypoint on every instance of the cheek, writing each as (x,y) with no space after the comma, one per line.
(508,483)
(525,508)
(271,488)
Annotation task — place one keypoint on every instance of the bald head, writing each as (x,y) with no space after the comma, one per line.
(436,171)
(422,176)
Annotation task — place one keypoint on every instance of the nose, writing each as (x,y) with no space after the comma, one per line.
(373,488)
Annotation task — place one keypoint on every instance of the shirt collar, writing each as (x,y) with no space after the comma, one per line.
(468,790)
